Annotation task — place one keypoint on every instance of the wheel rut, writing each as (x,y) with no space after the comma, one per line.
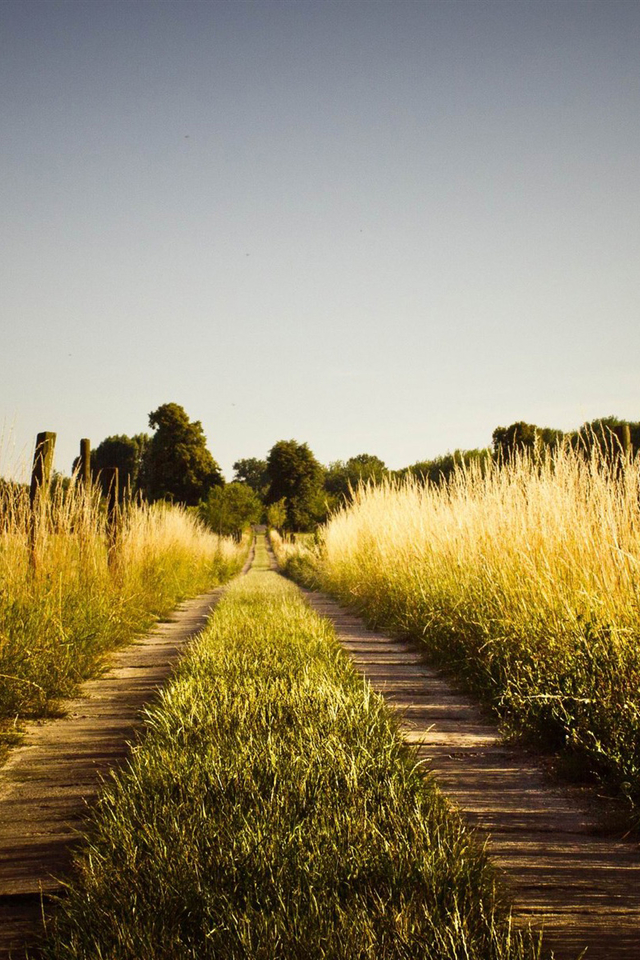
(583,890)
(50,781)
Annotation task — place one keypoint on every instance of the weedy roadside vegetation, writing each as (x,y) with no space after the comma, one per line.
(273,813)
(298,557)
(523,578)
(70,591)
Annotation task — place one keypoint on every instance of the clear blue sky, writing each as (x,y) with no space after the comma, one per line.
(382,227)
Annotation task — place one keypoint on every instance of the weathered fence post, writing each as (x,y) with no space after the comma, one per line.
(111,482)
(42,464)
(85,463)
(622,454)
(83,474)
(623,433)
(40,477)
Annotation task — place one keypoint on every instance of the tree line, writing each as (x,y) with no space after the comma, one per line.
(605,433)
(290,489)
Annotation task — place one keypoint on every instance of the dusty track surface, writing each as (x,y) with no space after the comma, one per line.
(583,890)
(49,782)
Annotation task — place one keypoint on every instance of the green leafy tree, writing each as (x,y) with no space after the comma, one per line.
(277,514)
(295,475)
(253,472)
(342,478)
(605,433)
(521,437)
(230,509)
(550,437)
(178,465)
(440,469)
(60,485)
(125,453)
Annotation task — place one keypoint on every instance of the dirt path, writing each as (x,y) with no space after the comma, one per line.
(584,890)
(49,781)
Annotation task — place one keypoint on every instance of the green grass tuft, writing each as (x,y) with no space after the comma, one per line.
(273,812)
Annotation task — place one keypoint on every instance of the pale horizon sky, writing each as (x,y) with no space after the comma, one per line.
(382,227)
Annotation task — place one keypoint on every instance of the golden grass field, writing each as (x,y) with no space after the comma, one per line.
(524,579)
(69,590)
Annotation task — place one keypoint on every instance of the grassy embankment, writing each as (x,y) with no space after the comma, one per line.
(57,620)
(525,582)
(273,812)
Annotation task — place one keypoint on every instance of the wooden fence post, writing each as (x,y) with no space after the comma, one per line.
(83,476)
(111,482)
(40,477)
(623,433)
(85,463)
(42,464)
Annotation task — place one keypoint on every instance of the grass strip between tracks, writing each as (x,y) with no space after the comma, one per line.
(272,811)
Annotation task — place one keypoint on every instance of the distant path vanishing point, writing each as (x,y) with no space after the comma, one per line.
(49,782)
(582,889)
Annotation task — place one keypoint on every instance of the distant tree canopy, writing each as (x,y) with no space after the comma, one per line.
(178,465)
(276,514)
(294,474)
(125,453)
(441,468)
(521,436)
(290,488)
(253,472)
(341,477)
(603,433)
(230,509)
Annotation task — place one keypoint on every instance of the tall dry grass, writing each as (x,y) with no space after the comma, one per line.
(524,579)
(65,598)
